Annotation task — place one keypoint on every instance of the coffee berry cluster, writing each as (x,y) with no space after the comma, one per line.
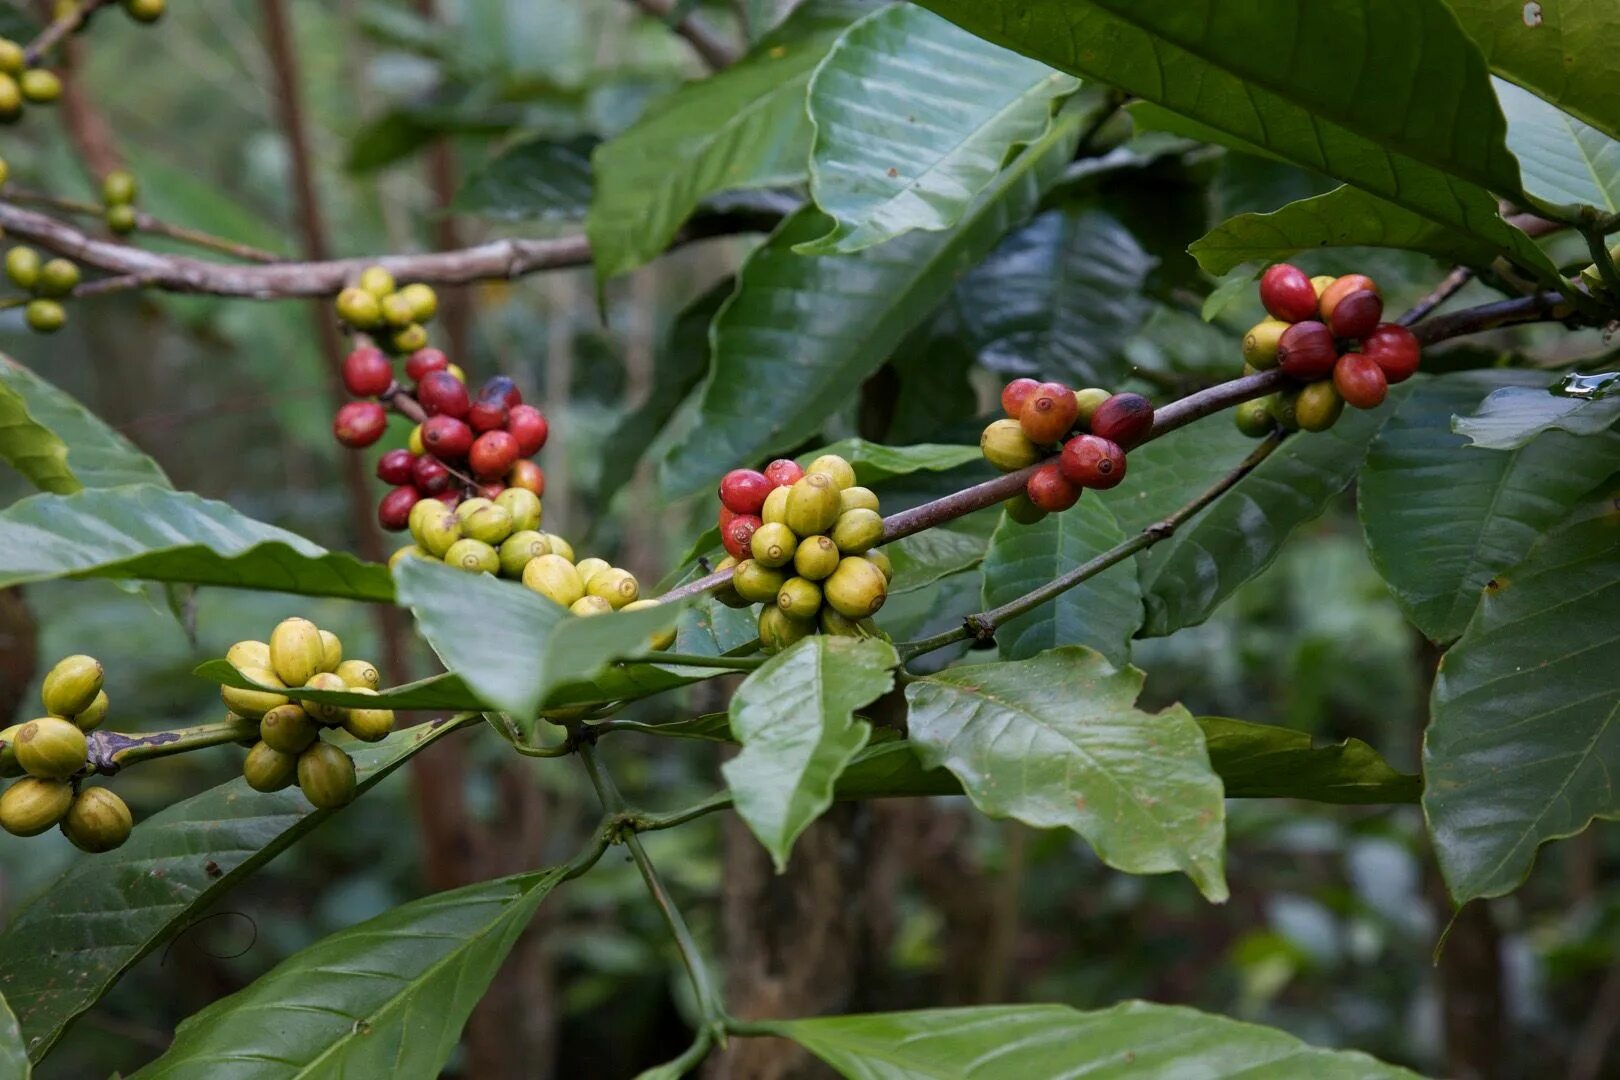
(47,281)
(801,542)
(1091,428)
(1325,333)
(118,189)
(300,655)
(22,85)
(51,754)
(394,315)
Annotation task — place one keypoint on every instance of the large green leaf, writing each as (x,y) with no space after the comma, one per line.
(1102,612)
(386,997)
(1514,415)
(795,719)
(1563,160)
(744,127)
(874,462)
(1442,519)
(14,1064)
(1524,737)
(799,335)
(1057,741)
(1564,51)
(63,950)
(1132,1039)
(535,180)
(60,445)
(1270,762)
(913,118)
(923,558)
(1273,78)
(161,535)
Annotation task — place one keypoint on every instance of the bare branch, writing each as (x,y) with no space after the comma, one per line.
(704,41)
(70,20)
(146,223)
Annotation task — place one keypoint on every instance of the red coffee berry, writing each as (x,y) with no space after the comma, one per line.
(724,517)
(446,438)
(394,467)
(1092,462)
(493,454)
(744,490)
(1048,413)
(528,425)
(783,472)
(359,423)
(502,389)
(1015,393)
(1360,381)
(487,415)
(736,535)
(1341,288)
(430,475)
(1307,350)
(1287,293)
(367,372)
(527,475)
(394,512)
(1124,419)
(1394,349)
(1356,315)
(489,490)
(423,362)
(441,393)
(1049,491)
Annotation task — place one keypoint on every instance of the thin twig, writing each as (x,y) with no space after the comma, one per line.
(1448,287)
(714,50)
(146,223)
(70,20)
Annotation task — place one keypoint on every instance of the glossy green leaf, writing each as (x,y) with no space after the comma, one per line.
(440,692)
(796,339)
(386,997)
(1514,415)
(1563,51)
(1134,1038)
(1058,742)
(535,180)
(60,445)
(914,117)
(892,769)
(61,952)
(923,558)
(1263,761)
(795,719)
(1102,612)
(1259,78)
(1523,741)
(1441,519)
(156,534)
(875,462)
(1563,160)
(14,1064)
(744,127)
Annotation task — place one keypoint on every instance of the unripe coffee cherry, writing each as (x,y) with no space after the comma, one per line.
(1260,343)
(725,594)
(1395,349)
(1360,381)
(1287,293)
(857,530)
(799,598)
(359,674)
(743,491)
(528,425)
(13,60)
(295,651)
(31,806)
(45,316)
(423,300)
(1006,447)
(326,776)
(367,372)
(359,424)
(487,416)
(369,725)
(783,472)
(1319,405)
(248,654)
(1320,283)
(815,558)
(589,568)
(377,281)
(812,505)
(1049,413)
(1087,402)
(523,506)
(738,535)
(439,532)
(423,362)
(617,586)
(1015,393)
(97,821)
(22,267)
(146,11)
(394,467)
(268,769)
(1092,461)
(288,728)
(442,394)
(8,751)
(834,468)
(94,714)
(1254,419)
(57,278)
(493,454)
(473,556)
(660,640)
(1307,351)
(409,551)
(430,475)
(878,559)
(1285,409)
(590,605)
(516,551)
(11,100)
(1124,419)
(1049,490)
(413,442)
(1021,510)
(528,476)
(359,309)
(774,545)
(51,748)
(1338,289)
(758,583)
(857,498)
(778,630)
(555,578)
(446,438)
(320,711)
(856,589)
(72,685)
(1357,314)
(40,86)
(120,219)
(775,510)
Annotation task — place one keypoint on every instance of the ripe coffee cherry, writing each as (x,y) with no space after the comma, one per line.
(422,362)
(1318,406)
(359,423)
(1015,394)
(1356,315)
(1006,447)
(487,415)
(743,491)
(738,535)
(394,467)
(1050,491)
(1124,419)
(502,389)
(1093,462)
(442,394)
(1048,413)
(783,472)
(448,497)
(97,821)
(1307,350)
(430,476)
(1340,288)
(1287,293)
(1360,381)
(367,372)
(1395,349)
(446,438)
(493,454)
(528,425)
(1260,343)
(528,476)
(394,512)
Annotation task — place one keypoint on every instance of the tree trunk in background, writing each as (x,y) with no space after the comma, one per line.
(19,652)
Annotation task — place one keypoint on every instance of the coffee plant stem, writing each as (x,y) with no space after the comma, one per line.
(73,16)
(146,223)
(640,821)
(1600,258)
(111,751)
(730,663)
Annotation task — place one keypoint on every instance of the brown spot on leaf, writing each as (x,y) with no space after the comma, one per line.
(212,870)
(893,171)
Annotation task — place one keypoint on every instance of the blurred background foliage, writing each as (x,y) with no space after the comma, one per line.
(1334,913)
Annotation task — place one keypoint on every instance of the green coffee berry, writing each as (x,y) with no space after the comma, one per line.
(757,583)
(491,524)
(799,598)
(331,651)
(72,685)
(1319,406)
(51,748)
(439,531)
(423,300)
(1254,418)
(835,468)
(1088,401)
(880,560)
(22,267)
(516,551)
(559,546)
(555,578)
(97,821)
(45,316)
(857,530)
(94,714)
(590,605)
(30,806)
(524,507)
(326,776)
(288,728)
(330,715)
(778,630)
(589,568)
(774,512)
(13,60)
(409,551)
(118,187)
(1022,511)
(377,281)
(466,508)
(727,594)
(396,311)
(857,588)
(812,504)
(473,556)
(618,587)
(296,651)
(857,498)
(8,752)
(248,654)
(121,219)
(11,99)
(1006,447)
(359,674)
(408,339)
(773,545)
(253,704)
(269,769)
(1284,406)
(369,725)
(661,640)
(816,557)
(40,86)
(146,11)
(838,626)
(58,277)
(359,309)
